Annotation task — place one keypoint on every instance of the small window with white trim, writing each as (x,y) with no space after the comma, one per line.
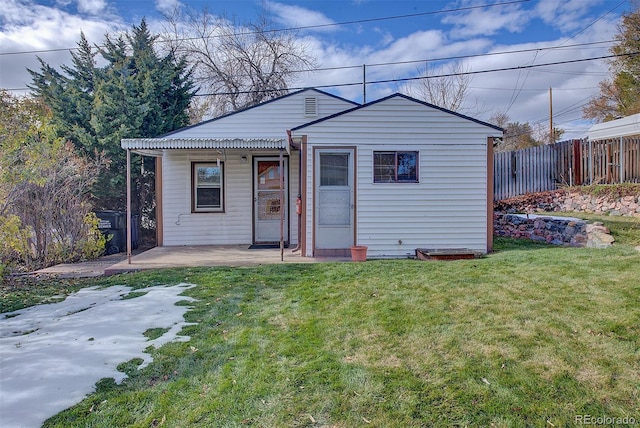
(207,185)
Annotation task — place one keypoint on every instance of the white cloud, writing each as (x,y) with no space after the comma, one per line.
(296,16)
(92,7)
(27,27)
(567,15)
(168,6)
(419,45)
(487,21)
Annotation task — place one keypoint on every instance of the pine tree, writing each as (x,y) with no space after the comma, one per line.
(136,94)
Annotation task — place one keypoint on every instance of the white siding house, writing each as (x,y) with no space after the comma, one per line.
(243,148)
(395,175)
(443,204)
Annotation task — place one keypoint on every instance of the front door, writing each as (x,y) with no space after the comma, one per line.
(334,204)
(267,204)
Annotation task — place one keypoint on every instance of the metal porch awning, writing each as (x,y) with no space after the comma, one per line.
(155,146)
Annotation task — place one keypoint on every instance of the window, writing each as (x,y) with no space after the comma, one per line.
(334,169)
(207,184)
(395,167)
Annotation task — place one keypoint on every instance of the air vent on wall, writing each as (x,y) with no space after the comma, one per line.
(310,106)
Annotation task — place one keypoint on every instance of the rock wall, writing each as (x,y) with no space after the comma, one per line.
(567,200)
(552,230)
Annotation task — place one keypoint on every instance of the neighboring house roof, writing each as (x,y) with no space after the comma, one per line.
(629,125)
(363,106)
(258,105)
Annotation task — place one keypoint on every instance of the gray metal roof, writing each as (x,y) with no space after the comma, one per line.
(203,143)
(626,126)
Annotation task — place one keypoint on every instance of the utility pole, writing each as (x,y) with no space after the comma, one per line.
(551,138)
(364,83)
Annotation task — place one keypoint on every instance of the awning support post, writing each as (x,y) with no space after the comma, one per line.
(282,206)
(129,206)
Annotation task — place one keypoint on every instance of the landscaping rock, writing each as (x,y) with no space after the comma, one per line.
(570,200)
(600,240)
(553,230)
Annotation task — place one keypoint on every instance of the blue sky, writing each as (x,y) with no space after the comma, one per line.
(488,34)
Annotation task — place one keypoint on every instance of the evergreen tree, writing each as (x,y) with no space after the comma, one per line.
(138,93)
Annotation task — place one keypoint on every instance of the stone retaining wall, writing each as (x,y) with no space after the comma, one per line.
(552,230)
(572,201)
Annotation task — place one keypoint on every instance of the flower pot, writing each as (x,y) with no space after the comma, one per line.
(359,253)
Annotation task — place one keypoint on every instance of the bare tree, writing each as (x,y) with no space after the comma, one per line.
(516,135)
(445,86)
(237,66)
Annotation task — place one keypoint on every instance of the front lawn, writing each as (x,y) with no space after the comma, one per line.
(531,335)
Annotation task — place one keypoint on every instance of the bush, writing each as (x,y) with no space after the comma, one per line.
(45,214)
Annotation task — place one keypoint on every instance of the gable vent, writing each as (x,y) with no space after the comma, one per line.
(310,106)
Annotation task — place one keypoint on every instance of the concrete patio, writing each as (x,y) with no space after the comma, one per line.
(195,256)
(181,256)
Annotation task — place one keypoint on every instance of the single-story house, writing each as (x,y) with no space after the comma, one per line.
(322,174)
(618,128)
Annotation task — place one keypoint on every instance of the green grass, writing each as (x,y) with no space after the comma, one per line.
(530,336)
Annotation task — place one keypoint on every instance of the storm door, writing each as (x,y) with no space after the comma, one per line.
(334,201)
(267,203)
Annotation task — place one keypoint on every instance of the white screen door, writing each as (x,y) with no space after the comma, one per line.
(267,204)
(334,199)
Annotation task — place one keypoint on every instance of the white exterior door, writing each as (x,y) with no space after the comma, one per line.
(334,199)
(267,203)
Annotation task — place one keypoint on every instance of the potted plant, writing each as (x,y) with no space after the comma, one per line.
(359,253)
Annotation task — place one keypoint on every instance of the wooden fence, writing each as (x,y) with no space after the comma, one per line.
(567,163)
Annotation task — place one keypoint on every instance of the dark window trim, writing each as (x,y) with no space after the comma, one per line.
(395,153)
(194,209)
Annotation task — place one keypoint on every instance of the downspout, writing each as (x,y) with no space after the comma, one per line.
(299,196)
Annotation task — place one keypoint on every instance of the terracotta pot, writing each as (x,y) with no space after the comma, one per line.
(359,253)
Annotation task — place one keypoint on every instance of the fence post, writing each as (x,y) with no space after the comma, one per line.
(621,157)
(577,173)
(590,162)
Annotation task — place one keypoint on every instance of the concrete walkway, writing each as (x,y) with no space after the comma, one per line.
(182,256)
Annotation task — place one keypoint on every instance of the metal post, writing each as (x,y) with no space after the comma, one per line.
(621,159)
(129,206)
(282,206)
(590,162)
(551,136)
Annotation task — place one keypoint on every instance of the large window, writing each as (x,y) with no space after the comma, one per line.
(395,167)
(208,187)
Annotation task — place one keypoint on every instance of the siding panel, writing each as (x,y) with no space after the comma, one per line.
(235,225)
(446,209)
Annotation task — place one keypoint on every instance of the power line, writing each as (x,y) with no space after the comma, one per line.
(457,57)
(407,79)
(518,91)
(450,58)
(306,27)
